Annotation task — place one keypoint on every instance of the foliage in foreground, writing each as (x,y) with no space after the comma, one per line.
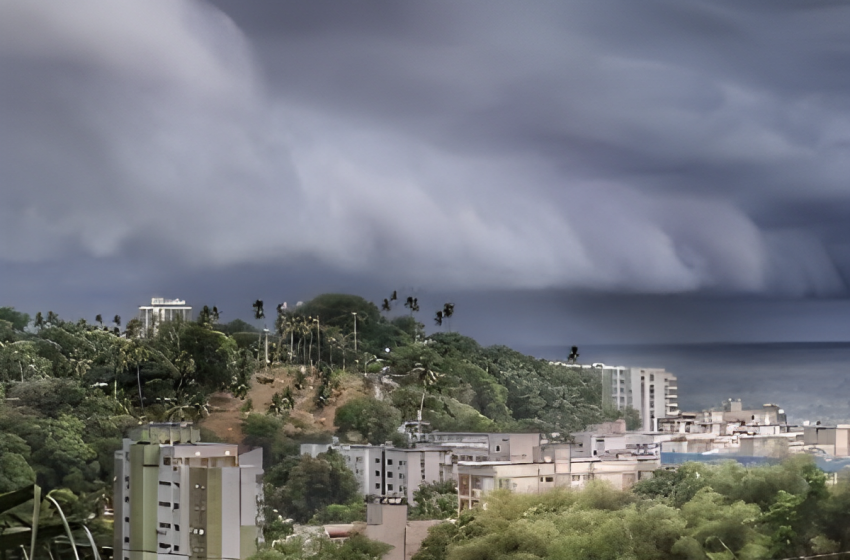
(357,547)
(723,512)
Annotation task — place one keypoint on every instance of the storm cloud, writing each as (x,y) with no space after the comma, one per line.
(661,147)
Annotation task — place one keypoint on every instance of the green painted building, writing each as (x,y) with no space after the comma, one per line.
(178,498)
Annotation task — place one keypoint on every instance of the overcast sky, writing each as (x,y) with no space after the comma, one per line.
(583,171)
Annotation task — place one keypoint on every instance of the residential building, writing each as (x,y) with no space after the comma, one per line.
(162,310)
(474,446)
(387,471)
(652,392)
(831,440)
(552,467)
(177,498)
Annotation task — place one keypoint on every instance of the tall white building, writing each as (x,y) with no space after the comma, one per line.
(179,499)
(161,310)
(652,392)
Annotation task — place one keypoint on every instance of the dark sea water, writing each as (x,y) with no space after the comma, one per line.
(811,381)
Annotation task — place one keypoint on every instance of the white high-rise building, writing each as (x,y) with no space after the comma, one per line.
(161,310)
(652,392)
(179,499)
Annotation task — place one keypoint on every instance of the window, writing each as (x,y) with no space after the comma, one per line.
(127,499)
(576,478)
(165,504)
(176,528)
(378,461)
(498,448)
(390,487)
(176,506)
(164,483)
(377,486)
(389,461)
(550,479)
(401,475)
(377,473)
(126,519)
(167,461)
(165,525)
(126,539)
(389,474)
(176,548)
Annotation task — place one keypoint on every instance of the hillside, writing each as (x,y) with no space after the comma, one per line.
(70,391)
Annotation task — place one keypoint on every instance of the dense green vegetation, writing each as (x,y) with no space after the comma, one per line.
(699,511)
(69,391)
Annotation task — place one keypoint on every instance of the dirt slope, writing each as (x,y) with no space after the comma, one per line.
(226,417)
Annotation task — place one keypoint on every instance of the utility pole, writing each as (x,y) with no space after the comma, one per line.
(267,347)
(356,361)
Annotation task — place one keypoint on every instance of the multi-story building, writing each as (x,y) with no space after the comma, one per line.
(552,466)
(177,498)
(387,471)
(652,392)
(162,310)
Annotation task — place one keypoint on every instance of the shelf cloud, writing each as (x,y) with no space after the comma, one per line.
(659,148)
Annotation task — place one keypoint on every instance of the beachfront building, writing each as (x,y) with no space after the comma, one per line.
(177,498)
(652,392)
(162,310)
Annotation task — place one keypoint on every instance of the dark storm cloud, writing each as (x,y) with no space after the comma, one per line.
(653,147)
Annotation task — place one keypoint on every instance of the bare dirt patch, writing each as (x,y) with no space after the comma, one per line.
(305,418)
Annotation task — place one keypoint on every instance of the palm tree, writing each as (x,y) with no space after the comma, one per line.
(259,313)
(99,319)
(386,305)
(573,355)
(39,321)
(439,319)
(448,311)
(117,321)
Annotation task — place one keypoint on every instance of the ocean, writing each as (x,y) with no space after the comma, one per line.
(811,381)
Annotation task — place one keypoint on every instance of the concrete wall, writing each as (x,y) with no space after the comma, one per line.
(387,523)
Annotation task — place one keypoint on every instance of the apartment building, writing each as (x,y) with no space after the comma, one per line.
(652,392)
(390,472)
(162,310)
(552,466)
(176,497)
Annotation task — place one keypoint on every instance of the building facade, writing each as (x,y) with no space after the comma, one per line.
(162,310)
(390,472)
(652,392)
(177,498)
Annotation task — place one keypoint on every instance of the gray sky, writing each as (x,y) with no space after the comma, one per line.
(589,171)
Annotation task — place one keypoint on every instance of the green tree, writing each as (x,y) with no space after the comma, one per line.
(19,320)
(376,421)
(435,500)
(313,484)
